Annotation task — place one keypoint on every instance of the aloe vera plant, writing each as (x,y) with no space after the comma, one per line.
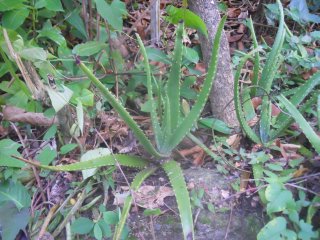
(261,86)
(169,127)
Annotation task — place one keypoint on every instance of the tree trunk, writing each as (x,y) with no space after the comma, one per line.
(221,97)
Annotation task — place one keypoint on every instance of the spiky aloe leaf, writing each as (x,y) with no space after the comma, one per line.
(318,111)
(185,125)
(304,125)
(174,172)
(173,85)
(124,114)
(110,160)
(139,178)
(237,102)
(256,66)
(284,122)
(284,119)
(154,117)
(267,77)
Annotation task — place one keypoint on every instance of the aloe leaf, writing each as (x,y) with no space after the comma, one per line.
(256,66)
(237,102)
(284,119)
(185,125)
(122,111)
(247,105)
(110,160)
(154,117)
(267,77)
(304,125)
(139,178)
(173,85)
(174,172)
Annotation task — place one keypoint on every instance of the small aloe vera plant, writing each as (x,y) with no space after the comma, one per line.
(261,86)
(170,126)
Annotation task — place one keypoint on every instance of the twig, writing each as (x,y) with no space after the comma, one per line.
(228,227)
(73,210)
(47,221)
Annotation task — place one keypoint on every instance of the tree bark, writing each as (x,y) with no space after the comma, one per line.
(221,97)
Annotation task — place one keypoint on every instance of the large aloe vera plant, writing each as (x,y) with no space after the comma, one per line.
(169,127)
(261,86)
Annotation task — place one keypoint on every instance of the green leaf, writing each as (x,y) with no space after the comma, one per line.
(97,232)
(306,231)
(273,229)
(152,212)
(112,13)
(279,198)
(175,175)
(82,225)
(86,97)
(110,217)
(76,21)
(190,19)
(14,18)
(8,148)
(216,124)
(89,48)
(53,5)
(51,132)
(155,54)
(68,148)
(53,33)
(16,193)
(59,99)
(90,155)
(47,155)
(304,125)
(12,220)
(191,54)
(6,5)
(34,53)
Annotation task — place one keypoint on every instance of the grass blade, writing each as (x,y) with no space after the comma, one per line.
(174,172)
(139,178)
(121,111)
(304,125)
(184,127)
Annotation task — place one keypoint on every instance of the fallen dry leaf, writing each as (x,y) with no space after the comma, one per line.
(234,141)
(152,197)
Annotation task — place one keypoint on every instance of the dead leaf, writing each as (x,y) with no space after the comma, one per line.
(234,141)
(244,180)
(152,197)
